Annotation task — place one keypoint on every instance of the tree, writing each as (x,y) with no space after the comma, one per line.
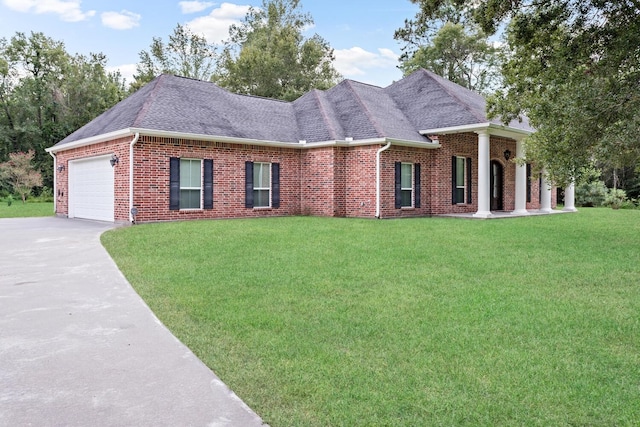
(450,44)
(573,69)
(186,54)
(20,173)
(45,94)
(267,55)
(465,58)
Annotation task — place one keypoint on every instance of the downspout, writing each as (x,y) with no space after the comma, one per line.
(55,182)
(386,147)
(135,139)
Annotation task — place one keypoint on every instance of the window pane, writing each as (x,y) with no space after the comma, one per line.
(405,197)
(459,195)
(460,171)
(261,198)
(189,199)
(405,179)
(262,175)
(190,174)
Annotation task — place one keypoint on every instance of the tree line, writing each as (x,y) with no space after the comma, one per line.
(571,66)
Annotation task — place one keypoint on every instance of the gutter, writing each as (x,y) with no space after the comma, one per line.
(55,182)
(242,141)
(135,139)
(378,153)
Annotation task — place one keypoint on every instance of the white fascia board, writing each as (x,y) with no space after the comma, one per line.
(242,141)
(92,140)
(491,128)
(213,138)
(370,141)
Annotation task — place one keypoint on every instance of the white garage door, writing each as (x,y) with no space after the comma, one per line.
(91,189)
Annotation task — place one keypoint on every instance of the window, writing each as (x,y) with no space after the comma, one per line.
(190,183)
(460,180)
(406,185)
(262,185)
(407,176)
(529,182)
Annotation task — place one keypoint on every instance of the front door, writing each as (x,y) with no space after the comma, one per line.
(497,180)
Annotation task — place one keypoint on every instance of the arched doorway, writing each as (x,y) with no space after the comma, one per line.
(497,186)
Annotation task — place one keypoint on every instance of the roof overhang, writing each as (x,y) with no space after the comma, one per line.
(490,128)
(130,132)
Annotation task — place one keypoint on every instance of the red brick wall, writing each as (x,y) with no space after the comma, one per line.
(151,174)
(331,181)
(119,147)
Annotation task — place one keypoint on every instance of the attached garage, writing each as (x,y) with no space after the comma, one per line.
(91,189)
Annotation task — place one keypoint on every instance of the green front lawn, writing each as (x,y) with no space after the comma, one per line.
(24,210)
(345,322)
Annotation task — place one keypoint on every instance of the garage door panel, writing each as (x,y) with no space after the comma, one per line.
(91,189)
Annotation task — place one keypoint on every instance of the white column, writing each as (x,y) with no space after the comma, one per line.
(521,182)
(484,184)
(545,205)
(570,198)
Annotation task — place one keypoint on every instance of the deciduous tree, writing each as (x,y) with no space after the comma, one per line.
(186,54)
(461,56)
(574,69)
(267,54)
(20,173)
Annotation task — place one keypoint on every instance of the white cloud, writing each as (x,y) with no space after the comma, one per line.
(123,20)
(215,26)
(355,61)
(195,6)
(68,10)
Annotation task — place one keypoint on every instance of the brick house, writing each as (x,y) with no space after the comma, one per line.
(185,149)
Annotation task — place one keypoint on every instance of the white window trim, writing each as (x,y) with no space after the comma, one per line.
(194,188)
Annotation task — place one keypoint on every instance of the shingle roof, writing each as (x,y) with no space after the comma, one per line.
(350,109)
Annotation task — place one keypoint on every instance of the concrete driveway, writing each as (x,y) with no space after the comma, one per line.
(78,347)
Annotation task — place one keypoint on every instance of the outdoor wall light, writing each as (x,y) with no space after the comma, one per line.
(60,168)
(507,154)
(114,160)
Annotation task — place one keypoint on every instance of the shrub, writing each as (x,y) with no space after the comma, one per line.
(615,198)
(591,194)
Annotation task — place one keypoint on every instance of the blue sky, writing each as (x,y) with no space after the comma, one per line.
(360,31)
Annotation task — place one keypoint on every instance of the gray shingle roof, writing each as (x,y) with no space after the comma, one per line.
(351,109)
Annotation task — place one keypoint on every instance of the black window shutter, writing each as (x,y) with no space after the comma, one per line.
(469,186)
(174,183)
(416,185)
(454,175)
(398,177)
(248,184)
(208,183)
(529,182)
(275,185)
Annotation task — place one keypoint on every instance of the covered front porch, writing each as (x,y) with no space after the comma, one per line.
(488,184)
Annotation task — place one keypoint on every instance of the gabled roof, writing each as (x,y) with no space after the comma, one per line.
(351,109)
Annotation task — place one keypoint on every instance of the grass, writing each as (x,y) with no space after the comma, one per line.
(29,209)
(335,322)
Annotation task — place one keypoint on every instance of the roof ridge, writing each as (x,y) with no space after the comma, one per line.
(431,75)
(368,114)
(148,101)
(323,111)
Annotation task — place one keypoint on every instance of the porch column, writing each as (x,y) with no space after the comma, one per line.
(484,184)
(570,198)
(521,182)
(545,204)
